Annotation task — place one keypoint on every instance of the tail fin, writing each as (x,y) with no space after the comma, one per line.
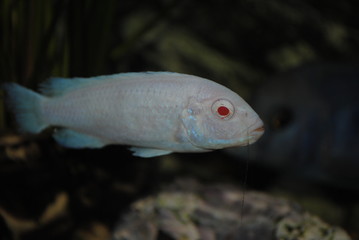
(26,106)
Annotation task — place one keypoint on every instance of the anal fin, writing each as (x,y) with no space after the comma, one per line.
(148,152)
(72,139)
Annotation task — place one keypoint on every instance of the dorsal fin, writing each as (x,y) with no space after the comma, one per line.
(57,86)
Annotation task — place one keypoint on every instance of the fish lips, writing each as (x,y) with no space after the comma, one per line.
(251,134)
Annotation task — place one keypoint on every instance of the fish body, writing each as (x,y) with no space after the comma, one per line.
(154,112)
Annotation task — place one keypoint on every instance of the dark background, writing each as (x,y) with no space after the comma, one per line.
(240,44)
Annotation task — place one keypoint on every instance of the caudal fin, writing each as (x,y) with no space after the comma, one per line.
(26,106)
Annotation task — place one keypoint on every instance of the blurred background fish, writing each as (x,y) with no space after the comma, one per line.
(312,119)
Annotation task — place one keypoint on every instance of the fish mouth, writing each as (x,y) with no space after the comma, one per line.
(257,133)
(259,130)
(252,133)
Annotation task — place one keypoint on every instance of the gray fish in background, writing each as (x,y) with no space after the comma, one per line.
(311,115)
(155,113)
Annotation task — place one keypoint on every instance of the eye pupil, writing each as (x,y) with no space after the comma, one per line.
(223,111)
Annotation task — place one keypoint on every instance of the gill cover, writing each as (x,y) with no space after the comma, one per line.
(205,123)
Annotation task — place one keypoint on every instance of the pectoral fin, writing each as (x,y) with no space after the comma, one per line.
(72,139)
(148,152)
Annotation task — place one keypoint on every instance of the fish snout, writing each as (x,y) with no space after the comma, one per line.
(255,131)
(259,130)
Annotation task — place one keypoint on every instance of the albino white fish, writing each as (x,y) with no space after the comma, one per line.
(154,112)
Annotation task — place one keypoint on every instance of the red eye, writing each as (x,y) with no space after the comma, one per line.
(223,109)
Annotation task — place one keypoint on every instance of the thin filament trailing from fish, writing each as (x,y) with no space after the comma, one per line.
(245,178)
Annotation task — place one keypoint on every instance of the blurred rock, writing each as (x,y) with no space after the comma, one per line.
(20,225)
(19,148)
(95,231)
(189,210)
